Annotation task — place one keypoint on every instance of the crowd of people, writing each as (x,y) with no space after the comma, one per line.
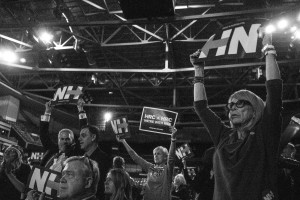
(244,162)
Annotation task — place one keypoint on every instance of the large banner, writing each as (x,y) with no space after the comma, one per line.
(157,120)
(67,94)
(237,40)
(44,180)
(119,126)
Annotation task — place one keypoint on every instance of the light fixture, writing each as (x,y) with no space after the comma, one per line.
(46,37)
(270,28)
(107,116)
(282,24)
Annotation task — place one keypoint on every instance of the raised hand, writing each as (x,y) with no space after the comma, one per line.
(193,58)
(173,130)
(34,195)
(119,139)
(48,107)
(80,104)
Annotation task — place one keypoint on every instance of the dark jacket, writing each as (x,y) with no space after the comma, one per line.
(104,163)
(51,148)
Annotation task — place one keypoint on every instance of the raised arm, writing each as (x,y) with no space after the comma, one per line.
(272,69)
(171,156)
(199,89)
(81,113)
(44,128)
(134,156)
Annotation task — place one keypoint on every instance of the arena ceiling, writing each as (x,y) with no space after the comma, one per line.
(134,62)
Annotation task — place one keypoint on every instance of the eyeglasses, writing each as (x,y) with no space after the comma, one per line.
(238,104)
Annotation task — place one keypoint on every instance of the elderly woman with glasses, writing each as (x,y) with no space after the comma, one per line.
(245,160)
(13,174)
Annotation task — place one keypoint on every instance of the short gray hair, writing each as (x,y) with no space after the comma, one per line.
(91,169)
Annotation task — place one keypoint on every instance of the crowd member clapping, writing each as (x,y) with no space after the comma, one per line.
(79,181)
(246,156)
(13,175)
(117,185)
(159,175)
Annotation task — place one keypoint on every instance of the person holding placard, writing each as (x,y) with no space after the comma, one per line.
(79,181)
(67,143)
(246,156)
(159,175)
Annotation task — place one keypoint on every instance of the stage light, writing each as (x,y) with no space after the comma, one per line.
(22,60)
(107,116)
(8,56)
(270,29)
(293,29)
(282,24)
(297,34)
(46,37)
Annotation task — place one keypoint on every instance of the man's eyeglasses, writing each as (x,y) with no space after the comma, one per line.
(238,104)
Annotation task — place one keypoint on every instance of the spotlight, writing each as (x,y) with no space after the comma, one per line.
(46,37)
(293,29)
(282,24)
(22,60)
(8,56)
(107,116)
(270,29)
(297,34)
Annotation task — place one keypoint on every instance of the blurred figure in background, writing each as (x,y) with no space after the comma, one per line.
(180,189)
(203,182)
(13,175)
(117,185)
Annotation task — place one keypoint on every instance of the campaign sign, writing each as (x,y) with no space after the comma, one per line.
(44,180)
(157,120)
(120,127)
(184,151)
(237,40)
(66,95)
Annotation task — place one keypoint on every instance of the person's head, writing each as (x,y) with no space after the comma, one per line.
(118,162)
(89,136)
(117,184)
(160,155)
(245,109)
(179,180)
(13,155)
(65,139)
(80,177)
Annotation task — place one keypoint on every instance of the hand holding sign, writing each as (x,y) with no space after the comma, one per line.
(48,107)
(34,195)
(194,59)
(80,104)
(174,132)
(120,127)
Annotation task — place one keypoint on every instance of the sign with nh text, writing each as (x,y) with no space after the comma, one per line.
(67,94)
(237,40)
(120,127)
(157,120)
(184,151)
(44,180)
